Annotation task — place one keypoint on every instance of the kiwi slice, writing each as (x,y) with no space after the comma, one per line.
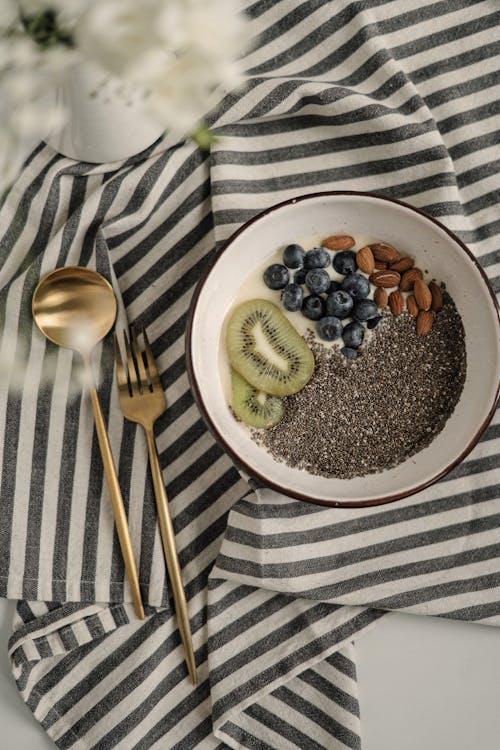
(256,408)
(266,350)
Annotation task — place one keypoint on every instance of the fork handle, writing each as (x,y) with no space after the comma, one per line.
(171,556)
(116,500)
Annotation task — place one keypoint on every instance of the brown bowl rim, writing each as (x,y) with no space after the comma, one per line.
(236,458)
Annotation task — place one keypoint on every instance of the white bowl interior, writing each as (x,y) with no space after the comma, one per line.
(412,233)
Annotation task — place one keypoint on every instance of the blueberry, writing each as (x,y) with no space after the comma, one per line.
(334,286)
(373,322)
(291,297)
(339,304)
(345,262)
(317,280)
(299,276)
(276,276)
(358,286)
(318,257)
(349,353)
(313,307)
(329,328)
(364,309)
(293,256)
(353,334)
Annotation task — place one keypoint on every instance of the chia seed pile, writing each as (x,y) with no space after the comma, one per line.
(356,417)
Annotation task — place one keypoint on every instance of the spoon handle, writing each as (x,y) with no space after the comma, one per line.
(116,498)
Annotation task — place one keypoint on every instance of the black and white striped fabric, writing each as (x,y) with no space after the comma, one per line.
(401,99)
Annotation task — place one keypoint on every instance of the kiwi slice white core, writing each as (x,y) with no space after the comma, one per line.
(266,350)
(264,347)
(254,407)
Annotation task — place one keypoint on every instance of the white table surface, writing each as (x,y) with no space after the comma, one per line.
(424,683)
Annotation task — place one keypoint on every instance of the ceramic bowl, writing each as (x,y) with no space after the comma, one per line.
(434,247)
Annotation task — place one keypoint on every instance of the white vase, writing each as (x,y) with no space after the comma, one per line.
(105,123)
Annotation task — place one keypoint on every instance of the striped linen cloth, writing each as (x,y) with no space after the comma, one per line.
(400,99)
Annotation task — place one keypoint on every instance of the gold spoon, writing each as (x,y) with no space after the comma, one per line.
(75,307)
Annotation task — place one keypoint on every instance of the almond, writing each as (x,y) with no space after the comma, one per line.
(402,265)
(384,252)
(437,297)
(396,302)
(385,278)
(411,305)
(380,297)
(409,277)
(425,320)
(365,260)
(422,294)
(381,266)
(339,242)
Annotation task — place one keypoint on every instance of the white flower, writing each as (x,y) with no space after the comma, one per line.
(27,78)
(9,15)
(116,33)
(212,30)
(177,52)
(11,158)
(180,56)
(33,7)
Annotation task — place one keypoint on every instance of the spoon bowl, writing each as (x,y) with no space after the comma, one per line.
(75,307)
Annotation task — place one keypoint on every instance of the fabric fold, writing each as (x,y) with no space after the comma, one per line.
(330,576)
(81,668)
(263,648)
(318,707)
(435,553)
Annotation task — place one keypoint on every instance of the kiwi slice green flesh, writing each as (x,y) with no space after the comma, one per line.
(255,408)
(266,350)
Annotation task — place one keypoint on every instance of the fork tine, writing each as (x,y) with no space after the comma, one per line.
(151,364)
(143,378)
(121,375)
(131,371)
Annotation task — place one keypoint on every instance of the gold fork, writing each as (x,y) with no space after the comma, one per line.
(142,400)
